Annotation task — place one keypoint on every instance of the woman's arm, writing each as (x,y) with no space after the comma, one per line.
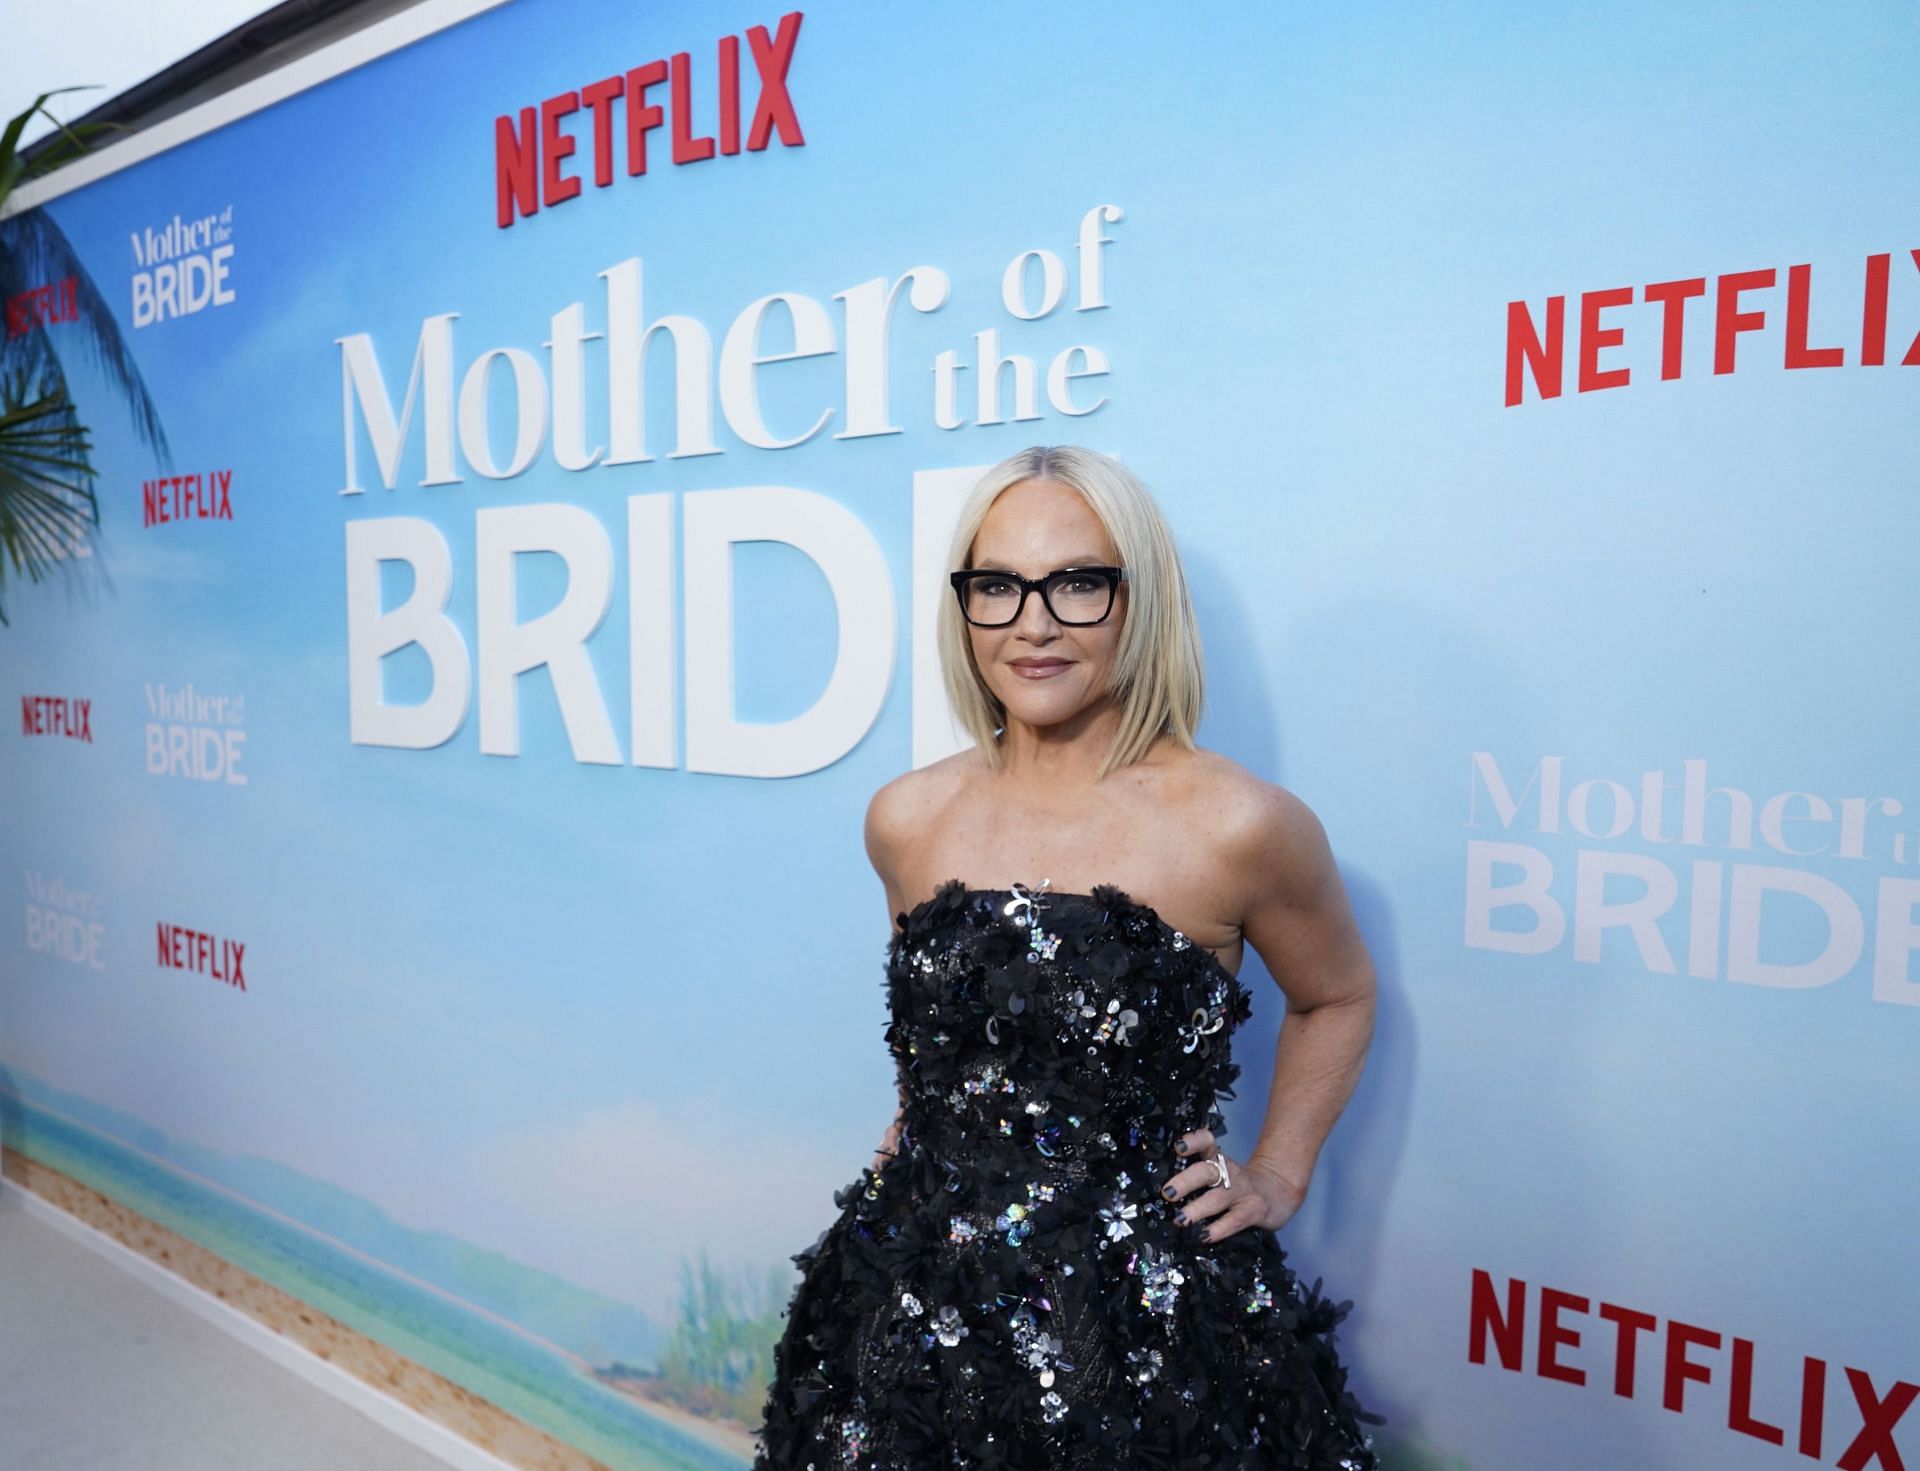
(1299,920)
(883,813)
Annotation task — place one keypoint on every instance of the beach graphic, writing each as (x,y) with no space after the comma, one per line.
(676,1399)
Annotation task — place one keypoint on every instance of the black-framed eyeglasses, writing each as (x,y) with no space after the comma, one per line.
(1073,595)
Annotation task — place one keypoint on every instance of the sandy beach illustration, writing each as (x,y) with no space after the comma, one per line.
(500,1358)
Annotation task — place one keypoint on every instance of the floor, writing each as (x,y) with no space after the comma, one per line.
(100,1372)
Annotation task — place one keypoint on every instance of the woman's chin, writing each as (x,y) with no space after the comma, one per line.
(1043,711)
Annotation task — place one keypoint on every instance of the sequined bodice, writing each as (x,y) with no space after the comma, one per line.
(1060,1036)
(1010,1289)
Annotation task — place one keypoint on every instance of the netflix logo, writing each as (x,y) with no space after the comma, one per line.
(53,715)
(531,153)
(57,301)
(1683,1354)
(1741,302)
(221,959)
(195,497)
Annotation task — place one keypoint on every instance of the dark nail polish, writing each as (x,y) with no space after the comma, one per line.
(1180,1146)
(1167,1190)
(1181,1217)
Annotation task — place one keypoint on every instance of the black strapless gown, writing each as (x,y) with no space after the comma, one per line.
(1010,1289)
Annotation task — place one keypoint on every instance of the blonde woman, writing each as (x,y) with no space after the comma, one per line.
(1051,1261)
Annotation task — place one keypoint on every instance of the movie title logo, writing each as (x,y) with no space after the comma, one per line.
(1039,288)
(531,171)
(65,923)
(195,736)
(1678,1354)
(181,947)
(716,371)
(57,715)
(195,497)
(57,301)
(182,267)
(1732,305)
(1719,916)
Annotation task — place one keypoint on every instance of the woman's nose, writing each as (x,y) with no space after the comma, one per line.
(1035,618)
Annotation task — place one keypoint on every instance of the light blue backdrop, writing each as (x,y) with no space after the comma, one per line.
(539,1032)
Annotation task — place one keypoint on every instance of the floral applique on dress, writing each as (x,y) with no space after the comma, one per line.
(1011,1290)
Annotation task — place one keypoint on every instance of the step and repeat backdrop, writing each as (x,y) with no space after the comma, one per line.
(434,814)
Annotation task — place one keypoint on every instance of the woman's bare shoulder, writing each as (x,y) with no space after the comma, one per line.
(1248,816)
(908,795)
(909,806)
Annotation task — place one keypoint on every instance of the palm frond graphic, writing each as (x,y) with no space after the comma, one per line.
(48,509)
(47,502)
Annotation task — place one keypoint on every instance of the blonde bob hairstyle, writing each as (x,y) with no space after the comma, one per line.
(1159,677)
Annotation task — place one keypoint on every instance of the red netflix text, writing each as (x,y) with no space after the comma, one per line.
(530,154)
(1740,300)
(57,301)
(52,715)
(187,498)
(209,955)
(1673,1346)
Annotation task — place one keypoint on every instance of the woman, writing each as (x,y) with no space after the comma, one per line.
(1051,1261)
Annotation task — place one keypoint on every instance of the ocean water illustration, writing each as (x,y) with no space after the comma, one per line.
(637,1410)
